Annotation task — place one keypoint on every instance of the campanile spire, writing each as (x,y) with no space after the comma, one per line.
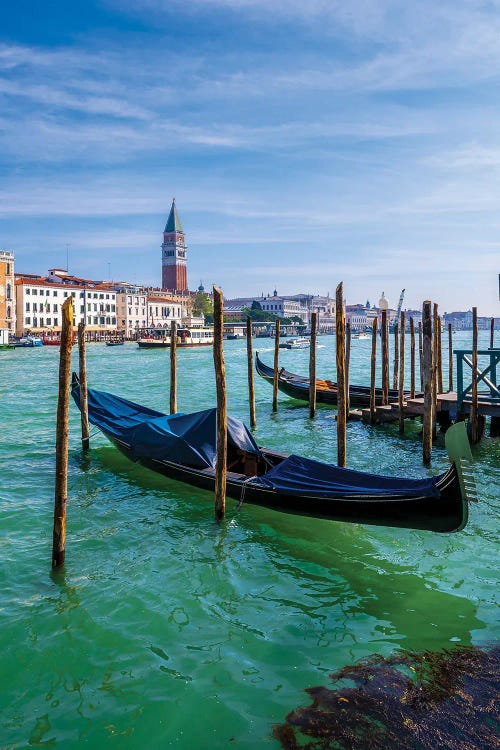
(173,254)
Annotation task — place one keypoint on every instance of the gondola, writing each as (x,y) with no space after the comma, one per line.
(183,447)
(297,386)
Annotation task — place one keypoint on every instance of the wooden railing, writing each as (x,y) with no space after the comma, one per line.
(488,376)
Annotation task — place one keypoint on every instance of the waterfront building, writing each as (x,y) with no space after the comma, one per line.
(283,307)
(357,317)
(7,294)
(39,301)
(460,321)
(173,254)
(162,309)
(323,305)
(234,308)
(131,309)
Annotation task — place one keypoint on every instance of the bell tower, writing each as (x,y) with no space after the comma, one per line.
(173,254)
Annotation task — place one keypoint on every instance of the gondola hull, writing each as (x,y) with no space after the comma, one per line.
(297,386)
(442,505)
(447,514)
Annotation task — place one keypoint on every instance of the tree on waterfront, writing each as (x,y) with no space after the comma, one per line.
(203,305)
(255,312)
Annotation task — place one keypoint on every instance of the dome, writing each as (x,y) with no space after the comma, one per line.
(383,303)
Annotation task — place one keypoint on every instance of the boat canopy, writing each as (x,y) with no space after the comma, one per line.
(297,475)
(189,439)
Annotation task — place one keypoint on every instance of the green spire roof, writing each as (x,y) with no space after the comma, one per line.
(173,222)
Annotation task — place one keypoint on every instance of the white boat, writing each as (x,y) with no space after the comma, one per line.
(360,335)
(156,338)
(300,343)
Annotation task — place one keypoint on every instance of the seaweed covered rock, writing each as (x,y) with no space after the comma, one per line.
(443,700)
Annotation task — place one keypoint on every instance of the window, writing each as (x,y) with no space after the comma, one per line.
(35,307)
(28,290)
(96,320)
(65,294)
(27,306)
(47,292)
(54,307)
(89,319)
(8,291)
(101,296)
(89,306)
(49,321)
(73,294)
(9,312)
(82,294)
(113,321)
(113,308)
(82,308)
(35,291)
(54,293)
(8,269)
(28,321)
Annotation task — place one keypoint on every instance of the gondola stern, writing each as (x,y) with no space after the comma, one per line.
(459,453)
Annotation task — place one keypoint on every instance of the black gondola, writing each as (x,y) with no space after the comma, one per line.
(183,447)
(297,386)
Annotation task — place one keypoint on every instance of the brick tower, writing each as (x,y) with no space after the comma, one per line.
(173,254)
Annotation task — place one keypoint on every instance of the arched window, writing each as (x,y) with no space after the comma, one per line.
(9,291)
(9,312)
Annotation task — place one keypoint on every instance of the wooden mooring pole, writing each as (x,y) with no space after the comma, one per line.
(420,355)
(439,356)
(173,367)
(373,371)
(450,358)
(82,374)
(341,375)
(251,384)
(492,333)
(385,358)
(427,376)
(276,365)
(347,366)
(474,416)
(62,437)
(396,356)
(220,381)
(312,366)
(434,366)
(401,395)
(412,358)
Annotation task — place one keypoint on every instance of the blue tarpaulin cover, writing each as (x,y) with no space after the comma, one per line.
(298,476)
(189,439)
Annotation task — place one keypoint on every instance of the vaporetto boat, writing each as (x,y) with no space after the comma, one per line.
(156,338)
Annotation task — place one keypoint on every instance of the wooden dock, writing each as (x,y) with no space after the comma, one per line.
(447,409)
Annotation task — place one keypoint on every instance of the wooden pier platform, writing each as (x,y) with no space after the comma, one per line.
(414,407)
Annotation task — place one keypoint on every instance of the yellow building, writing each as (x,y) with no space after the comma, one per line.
(7,295)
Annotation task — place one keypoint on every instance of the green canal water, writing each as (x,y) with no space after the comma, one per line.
(166,630)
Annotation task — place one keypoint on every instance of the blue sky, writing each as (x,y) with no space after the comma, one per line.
(306,143)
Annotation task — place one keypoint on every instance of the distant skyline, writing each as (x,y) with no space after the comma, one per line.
(305,144)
